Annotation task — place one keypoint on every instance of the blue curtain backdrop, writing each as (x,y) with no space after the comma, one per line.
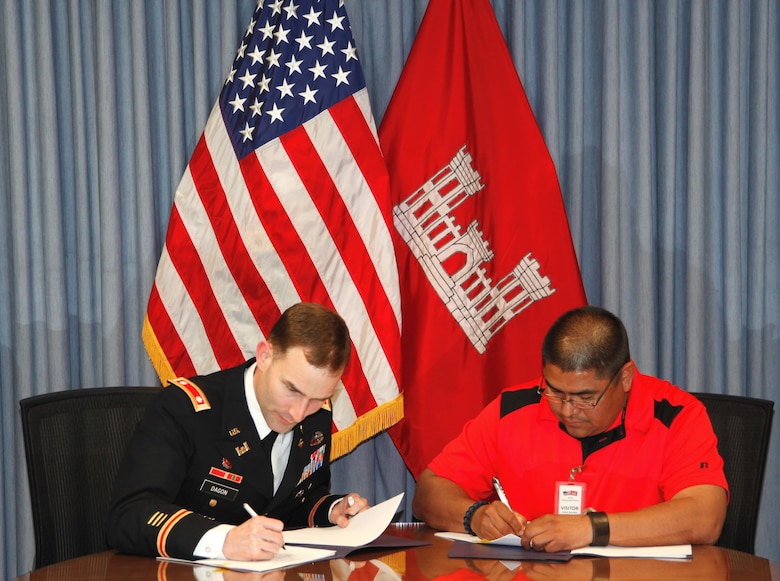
(661,117)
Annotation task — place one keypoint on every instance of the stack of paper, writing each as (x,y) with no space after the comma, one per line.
(363,528)
(659,551)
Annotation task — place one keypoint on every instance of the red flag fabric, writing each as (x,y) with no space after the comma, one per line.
(285,199)
(485,256)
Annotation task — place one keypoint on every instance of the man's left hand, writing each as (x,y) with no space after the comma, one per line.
(556,532)
(346,508)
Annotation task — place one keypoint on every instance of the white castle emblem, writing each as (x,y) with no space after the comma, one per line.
(452,259)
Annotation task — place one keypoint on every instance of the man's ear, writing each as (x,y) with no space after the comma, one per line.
(627,375)
(264,354)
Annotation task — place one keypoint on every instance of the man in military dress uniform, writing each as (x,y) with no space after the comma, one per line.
(257,435)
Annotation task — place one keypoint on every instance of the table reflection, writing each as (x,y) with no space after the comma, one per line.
(424,563)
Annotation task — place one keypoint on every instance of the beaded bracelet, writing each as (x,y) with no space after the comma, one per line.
(470,513)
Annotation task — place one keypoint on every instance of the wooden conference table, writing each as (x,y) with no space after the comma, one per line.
(423,563)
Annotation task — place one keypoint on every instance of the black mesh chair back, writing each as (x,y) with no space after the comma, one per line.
(743,426)
(73,443)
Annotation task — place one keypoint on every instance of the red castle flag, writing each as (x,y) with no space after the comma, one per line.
(285,199)
(485,257)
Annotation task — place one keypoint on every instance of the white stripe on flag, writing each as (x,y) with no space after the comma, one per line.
(226,292)
(254,235)
(344,414)
(189,325)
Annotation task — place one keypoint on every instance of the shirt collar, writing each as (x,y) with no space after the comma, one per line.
(251,401)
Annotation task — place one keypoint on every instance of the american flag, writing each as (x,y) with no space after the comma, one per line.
(285,199)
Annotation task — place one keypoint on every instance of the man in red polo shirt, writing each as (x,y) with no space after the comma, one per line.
(592,453)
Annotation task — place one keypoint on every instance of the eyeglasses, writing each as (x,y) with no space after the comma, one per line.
(580,404)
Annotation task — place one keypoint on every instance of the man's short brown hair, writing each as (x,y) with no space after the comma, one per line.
(320,331)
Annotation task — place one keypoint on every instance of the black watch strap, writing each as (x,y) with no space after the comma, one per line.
(600,523)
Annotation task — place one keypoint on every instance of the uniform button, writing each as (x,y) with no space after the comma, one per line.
(213,502)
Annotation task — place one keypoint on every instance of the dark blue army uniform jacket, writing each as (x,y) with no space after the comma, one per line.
(196,457)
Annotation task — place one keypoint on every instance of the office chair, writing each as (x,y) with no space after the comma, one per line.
(743,426)
(73,443)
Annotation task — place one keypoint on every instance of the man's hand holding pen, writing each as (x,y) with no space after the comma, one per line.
(498,519)
(346,508)
(257,539)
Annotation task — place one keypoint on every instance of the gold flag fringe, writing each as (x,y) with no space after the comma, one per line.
(155,353)
(367,426)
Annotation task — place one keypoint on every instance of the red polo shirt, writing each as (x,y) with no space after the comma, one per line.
(669,445)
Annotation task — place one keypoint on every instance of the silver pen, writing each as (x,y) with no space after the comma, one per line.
(500,491)
(251,511)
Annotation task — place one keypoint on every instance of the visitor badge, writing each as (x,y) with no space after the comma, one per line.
(569,497)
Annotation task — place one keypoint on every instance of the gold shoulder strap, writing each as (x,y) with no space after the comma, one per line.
(199,400)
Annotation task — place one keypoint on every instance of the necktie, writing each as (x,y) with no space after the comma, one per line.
(268,444)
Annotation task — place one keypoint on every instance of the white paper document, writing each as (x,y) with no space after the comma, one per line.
(511,540)
(363,528)
(289,557)
(654,552)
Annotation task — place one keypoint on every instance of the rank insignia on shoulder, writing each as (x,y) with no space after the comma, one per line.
(199,400)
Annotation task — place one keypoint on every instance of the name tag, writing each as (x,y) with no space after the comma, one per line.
(570,497)
(219,490)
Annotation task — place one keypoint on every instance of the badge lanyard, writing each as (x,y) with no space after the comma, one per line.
(570,494)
